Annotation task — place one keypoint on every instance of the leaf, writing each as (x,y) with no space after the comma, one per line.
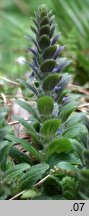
(19,156)
(69,157)
(75,131)
(43,13)
(48,65)
(78,148)
(45,29)
(66,166)
(3,112)
(50,82)
(52,186)
(85,173)
(4,151)
(28,107)
(70,187)
(44,21)
(15,171)
(29,194)
(4,131)
(45,105)
(67,109)
(86,156)
(26,145)
(4,148)
(34,30)
(49,52)
(50,127)
(33,89)
(33,175)
(73,119)
(62,145)
(29,128)
(44,41)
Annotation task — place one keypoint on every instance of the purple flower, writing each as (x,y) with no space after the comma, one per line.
(57,89)
(58,51)
(65,99)
(54,40)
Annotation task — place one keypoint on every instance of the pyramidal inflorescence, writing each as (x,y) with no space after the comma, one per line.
(47,64)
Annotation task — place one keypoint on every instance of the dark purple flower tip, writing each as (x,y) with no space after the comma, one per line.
(35,62)
(61,66)
(57,89)
(54,40)
(52,30)
(58,51)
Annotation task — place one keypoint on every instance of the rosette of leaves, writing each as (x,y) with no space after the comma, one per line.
(54,125)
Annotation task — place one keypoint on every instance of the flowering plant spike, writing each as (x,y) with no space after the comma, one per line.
(47,64)
(56,128)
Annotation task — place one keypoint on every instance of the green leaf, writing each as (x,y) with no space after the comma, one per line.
(33,175)
(73,119)
(44,41)
(19,156)
(28,107)
(83,196)
(44,21)
(86,156)
(33,89)
(52,186)
(69,157)
(49,52)
(67,109)
(48,66)
(66,166)
(4,151)
(45,29)
(29,194)
(26,145)
(43,13)
(29,128)
(50,82)
(62,145)
(50,127)
(15,171)
(4,131)
(45,105)
(75,131)
(85,173)
(3,111)
(78,148)
(70,187)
